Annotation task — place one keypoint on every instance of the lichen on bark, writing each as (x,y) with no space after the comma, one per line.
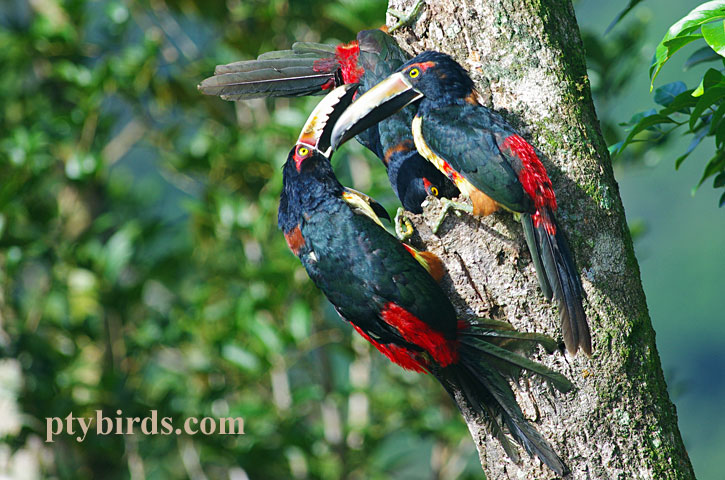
(527,59)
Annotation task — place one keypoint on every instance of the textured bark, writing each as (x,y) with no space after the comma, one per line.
(527,59)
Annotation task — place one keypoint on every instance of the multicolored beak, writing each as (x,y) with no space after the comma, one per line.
(318,129)
(378,103)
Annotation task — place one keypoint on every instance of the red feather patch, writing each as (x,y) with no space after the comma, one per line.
(295,240)
(396,354)
(534,179)
(415,331)
(347,55)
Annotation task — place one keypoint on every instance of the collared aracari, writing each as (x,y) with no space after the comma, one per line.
(487,160)
(313,68)
(380,286)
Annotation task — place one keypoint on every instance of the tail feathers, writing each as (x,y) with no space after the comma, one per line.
(503,334)
(307,69)
(489,394)
(268,82)
(562,279)
(458,381)
(509,363)
(279,54)
(319,49)
(535,249)
(261,64)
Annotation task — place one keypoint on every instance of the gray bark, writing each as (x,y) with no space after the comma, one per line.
(527,59)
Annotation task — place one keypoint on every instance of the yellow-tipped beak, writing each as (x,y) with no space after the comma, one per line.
(317,129)
(378,103)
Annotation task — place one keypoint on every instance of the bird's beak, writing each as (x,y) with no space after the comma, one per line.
(318,128)
(378,103)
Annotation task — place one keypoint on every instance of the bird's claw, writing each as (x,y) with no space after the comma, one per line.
(403,226)
(405,20)
(446,206)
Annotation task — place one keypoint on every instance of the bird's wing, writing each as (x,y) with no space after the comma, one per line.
(372,278)
(466,139)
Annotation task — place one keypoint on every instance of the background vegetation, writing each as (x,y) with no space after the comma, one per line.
(141,267)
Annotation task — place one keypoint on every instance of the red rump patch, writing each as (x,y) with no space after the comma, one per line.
(398,355)
(347,55)
(415,331)
(535,180)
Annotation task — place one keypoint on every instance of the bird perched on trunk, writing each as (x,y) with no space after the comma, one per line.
(314,68)
(487,160)
(380,286)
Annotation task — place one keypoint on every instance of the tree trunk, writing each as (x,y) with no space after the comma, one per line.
(527,58)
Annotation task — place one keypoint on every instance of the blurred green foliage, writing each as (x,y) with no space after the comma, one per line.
(141,267)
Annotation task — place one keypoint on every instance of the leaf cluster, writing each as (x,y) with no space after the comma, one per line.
(699,110)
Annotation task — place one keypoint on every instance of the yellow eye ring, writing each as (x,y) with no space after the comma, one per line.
(302,151)
(413,73)
(434,191)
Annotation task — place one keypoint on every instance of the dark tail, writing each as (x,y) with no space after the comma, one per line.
(307,69)
(558,277)
(479,377)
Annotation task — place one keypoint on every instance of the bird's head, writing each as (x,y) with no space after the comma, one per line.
(415,178)
(432,76)
(307,173)
(436,75)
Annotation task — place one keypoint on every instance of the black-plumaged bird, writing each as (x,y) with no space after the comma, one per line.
(381,287)
(313,68)
(487,160)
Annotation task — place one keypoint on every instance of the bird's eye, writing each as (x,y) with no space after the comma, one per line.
(413,73)
(302,151)
(434,191)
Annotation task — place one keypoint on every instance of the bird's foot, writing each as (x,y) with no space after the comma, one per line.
(448,205)
(403,225)
(405,20)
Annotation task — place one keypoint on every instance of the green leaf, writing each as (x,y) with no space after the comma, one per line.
(722,200)
(680,31)
(702,55)
(715,165)
(716,117)
(665,50)
(616,148)
(637,117)
(693,144)
(711,77)
(681,104)
(714,34)
(646,123)
(666,94)
(719,180)
(720,137)
(710,97)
